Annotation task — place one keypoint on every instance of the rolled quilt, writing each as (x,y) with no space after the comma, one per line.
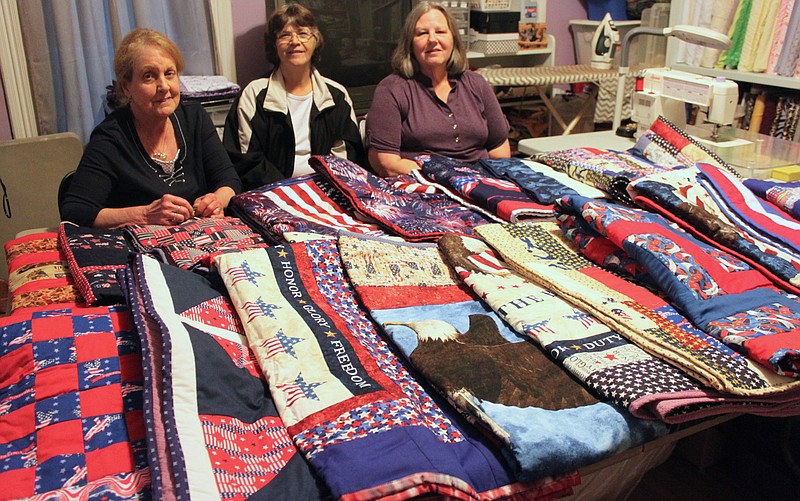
(785,195)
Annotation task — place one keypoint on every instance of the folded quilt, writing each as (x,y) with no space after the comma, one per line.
(608,170)
(414,216)
(193,243)
(307,204)
(94,256)
(547,421)
(718,292)
(71,405)
(541,182)
(716,208)
(784,195)
(473,183)
(38,273)
(605,361)
(544,256)
(347,401)
(212,430)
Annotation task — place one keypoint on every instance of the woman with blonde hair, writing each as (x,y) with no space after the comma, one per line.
(432,103)
(155,159)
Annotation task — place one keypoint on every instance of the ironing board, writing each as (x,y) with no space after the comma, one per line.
(540,78)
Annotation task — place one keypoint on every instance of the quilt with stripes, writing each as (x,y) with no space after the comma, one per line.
(547,421)
(784,195)
(213,432)
(344,396)
(643,317)
(718,292)
(605,361)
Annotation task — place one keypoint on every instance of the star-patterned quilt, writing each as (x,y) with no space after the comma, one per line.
(344,396)
(213,431)
(71,421)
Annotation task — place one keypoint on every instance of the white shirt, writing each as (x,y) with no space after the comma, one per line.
(300,111)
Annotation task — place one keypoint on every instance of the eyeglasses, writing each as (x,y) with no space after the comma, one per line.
(285,37)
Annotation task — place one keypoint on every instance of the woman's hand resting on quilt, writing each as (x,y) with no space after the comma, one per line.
(168,210)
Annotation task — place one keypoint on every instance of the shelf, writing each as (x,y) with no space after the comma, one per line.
(743,76)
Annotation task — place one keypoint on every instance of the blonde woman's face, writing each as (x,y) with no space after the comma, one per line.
(433,41)
(154,89)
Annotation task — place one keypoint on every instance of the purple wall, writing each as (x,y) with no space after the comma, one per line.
(250,16)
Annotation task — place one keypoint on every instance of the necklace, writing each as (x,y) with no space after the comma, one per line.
(168,166)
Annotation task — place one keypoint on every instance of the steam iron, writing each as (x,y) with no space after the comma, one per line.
(604,43)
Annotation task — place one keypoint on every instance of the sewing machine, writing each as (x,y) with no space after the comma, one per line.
(666,92)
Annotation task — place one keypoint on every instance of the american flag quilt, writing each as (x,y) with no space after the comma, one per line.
(605,361)
(94,256)
(193,243)
(533,251)
(668,146)
(718,292)
(71,421)
(413,216)
(307,204)
(784,195)
(491,373)
(363,422)
(213,431)
(715,207)
(472,183)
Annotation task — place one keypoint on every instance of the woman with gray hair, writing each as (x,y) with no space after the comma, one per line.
(432,103)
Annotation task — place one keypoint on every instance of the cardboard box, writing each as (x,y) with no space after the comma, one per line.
(532,35)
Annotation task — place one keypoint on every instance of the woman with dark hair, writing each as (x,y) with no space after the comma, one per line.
(432,103)
(278,122)
(154,160)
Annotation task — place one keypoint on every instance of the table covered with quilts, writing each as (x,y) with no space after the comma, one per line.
(506,329)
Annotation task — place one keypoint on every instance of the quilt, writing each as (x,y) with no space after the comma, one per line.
(719,293)
(307,204)
(541,182)
(71,422)
(213,431)
(347,401)
(602,359)
(543,256)
(685,197)
(38,273)
(784,195)
(414,216)
(94,255)
(193,243)
(547,421)
(473,183)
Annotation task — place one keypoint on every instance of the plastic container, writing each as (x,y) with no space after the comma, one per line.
(583,32)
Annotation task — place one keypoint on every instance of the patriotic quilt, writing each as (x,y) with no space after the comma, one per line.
(546,420)
(607,170)
(668,146)
(307,204)
(784,195)
(94,256)
(71,421)
(38,273)
(539,255)
(193,243)
(605,361)
(714,206)
(541,182)
(718,292)
(213,431)
(345,397)
(474,184)
(412,215)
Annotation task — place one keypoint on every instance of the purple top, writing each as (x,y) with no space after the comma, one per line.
(407,118)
